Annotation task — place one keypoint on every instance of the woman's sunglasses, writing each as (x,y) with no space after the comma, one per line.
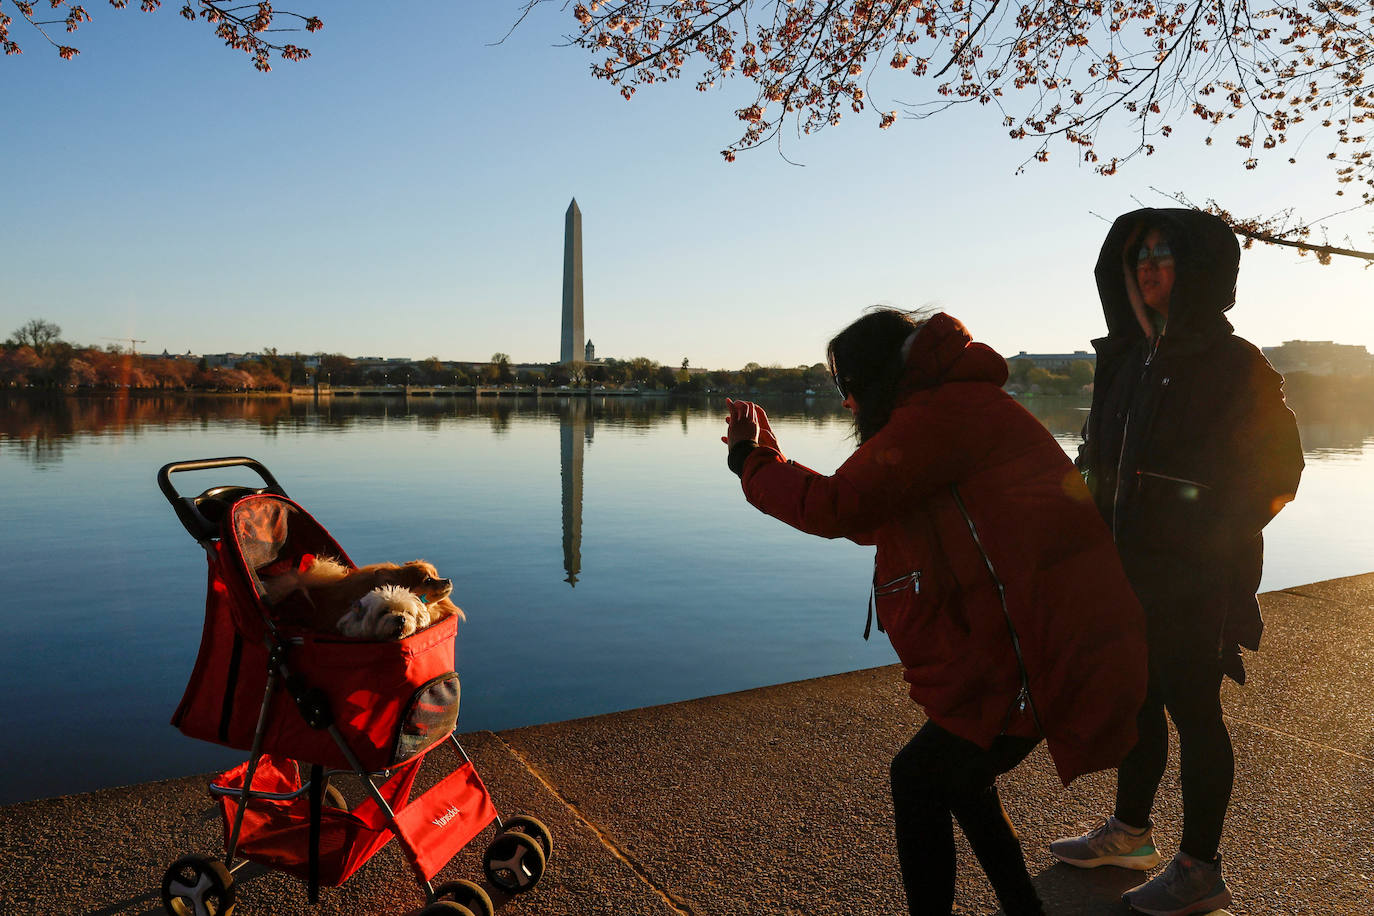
(1159,254)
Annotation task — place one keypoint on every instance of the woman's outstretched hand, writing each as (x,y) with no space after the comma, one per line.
(766,437)
(747,422)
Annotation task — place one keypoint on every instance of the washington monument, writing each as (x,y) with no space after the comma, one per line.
(573,334)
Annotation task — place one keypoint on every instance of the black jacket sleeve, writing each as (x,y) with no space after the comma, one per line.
(1267,454)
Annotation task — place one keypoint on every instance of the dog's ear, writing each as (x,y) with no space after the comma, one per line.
(354,621)
(388,575)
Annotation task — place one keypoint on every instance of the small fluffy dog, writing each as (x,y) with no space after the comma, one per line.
(327,591)
(387,612)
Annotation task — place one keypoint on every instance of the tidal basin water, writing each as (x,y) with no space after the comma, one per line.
(604,555)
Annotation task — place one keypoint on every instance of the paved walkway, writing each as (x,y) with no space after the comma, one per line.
(774,801)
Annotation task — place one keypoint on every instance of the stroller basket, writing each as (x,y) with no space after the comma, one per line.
(390,700)
(301,701)
(276,830)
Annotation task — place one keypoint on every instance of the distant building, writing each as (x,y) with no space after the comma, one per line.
(591,351)
(1057,363)
(381,362)
(1320,357)
(227,360)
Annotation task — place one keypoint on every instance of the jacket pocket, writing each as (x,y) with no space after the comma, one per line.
(911,580)
(1172,514)
(914,601)
(897,598)
(1185,488)
(883,593)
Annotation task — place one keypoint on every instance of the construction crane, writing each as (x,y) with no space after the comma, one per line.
(133,342)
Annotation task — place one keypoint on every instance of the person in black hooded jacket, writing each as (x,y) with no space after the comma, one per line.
(1188,450)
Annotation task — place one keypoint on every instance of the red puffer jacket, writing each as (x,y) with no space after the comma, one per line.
(994,570)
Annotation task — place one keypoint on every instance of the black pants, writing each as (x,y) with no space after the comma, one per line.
(1191,692)
(938,775)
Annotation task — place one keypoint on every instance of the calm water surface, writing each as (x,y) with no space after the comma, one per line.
(603,553)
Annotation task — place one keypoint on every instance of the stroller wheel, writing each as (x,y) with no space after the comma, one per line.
(531,827)
(514,862)
(196,885)
(445,908)
(468,894)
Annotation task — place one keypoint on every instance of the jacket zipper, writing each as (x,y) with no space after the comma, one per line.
(1023,698)
(1125,434)
(1149,358)
(1120,463)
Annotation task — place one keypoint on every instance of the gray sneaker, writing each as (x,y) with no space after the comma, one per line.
(1112,843)
(1187,885)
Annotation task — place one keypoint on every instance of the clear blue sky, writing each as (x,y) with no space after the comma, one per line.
(402,194)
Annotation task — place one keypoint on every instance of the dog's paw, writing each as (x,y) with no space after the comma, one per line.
(444,608)
(276,588)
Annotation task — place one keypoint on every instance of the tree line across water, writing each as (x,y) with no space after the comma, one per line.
(36,356)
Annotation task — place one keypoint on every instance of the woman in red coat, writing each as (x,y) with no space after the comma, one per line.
(995,579)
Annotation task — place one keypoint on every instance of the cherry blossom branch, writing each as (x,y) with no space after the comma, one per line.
(238,28)
(1057,71)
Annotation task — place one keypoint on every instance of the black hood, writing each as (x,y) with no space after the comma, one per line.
(1206,262)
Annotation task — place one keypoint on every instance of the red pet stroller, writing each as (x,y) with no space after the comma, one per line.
(308,706)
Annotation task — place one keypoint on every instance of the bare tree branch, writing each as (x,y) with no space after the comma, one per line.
(1323,252)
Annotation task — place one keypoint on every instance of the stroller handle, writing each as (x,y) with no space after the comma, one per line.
(201,515)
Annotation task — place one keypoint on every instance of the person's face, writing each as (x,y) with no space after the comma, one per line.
(843,383)
(1154,271)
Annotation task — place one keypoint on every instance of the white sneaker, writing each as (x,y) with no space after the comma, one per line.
(1187,885)
(1112,843)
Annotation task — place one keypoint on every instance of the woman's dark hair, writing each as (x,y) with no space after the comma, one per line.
(867,361)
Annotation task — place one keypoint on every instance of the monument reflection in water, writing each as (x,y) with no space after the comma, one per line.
(575,429)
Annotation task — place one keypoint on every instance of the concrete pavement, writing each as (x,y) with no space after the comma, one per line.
(775,801)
